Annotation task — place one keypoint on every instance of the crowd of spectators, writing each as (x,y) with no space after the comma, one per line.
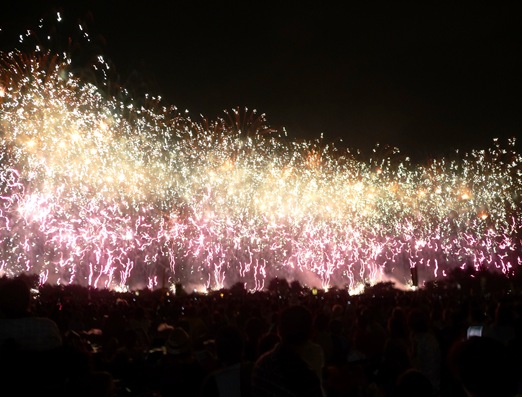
(461,337)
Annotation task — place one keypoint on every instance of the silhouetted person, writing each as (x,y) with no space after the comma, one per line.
(255,327)
(267,342)
(28,344)
(178,372)
(232,378)
(19,328)
(503,326)
(284,370)
(396,357)
(426,353)
(413,383)
(483,367)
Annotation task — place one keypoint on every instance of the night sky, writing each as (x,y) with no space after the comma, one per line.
(426,78)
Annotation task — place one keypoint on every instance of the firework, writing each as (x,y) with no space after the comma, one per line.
(98,190)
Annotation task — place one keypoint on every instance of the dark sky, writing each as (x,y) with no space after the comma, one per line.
(427,77)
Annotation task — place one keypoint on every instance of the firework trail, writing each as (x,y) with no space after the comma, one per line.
(98,190)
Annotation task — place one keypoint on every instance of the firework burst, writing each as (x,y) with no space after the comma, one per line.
(100,191)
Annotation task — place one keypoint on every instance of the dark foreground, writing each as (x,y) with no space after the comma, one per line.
(444,339)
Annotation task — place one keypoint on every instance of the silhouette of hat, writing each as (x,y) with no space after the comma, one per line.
(178,342)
